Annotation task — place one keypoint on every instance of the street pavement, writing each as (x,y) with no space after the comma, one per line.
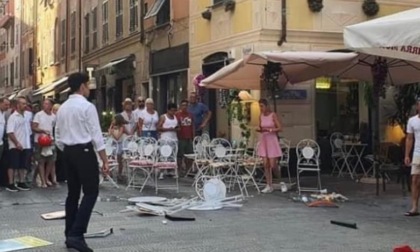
(265,223)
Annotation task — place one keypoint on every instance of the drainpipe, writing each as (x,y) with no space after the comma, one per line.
(142,37)
(34,63)
(283,23)
(20,46)
(66,57)
(80,34)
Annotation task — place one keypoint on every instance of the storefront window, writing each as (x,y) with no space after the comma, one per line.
(338,109)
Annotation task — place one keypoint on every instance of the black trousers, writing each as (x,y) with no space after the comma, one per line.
(60,168)
(82,175)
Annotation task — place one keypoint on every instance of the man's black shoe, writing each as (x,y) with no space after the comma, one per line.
(12,188)
(23,187)
(78,244)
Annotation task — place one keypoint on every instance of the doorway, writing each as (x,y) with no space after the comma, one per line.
(212,64)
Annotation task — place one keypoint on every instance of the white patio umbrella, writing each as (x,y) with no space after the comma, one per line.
(395,36)
(295,67)
(399,72)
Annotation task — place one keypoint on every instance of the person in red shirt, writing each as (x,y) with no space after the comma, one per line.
(185,135)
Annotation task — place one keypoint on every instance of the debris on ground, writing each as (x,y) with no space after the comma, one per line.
(344,224)
(57,215)
(319,200)
(100,234)
(214,194)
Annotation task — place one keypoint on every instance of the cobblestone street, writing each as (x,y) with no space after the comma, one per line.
(264,223)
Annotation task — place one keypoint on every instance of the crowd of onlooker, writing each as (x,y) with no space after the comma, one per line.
(24,162)
(28,160)
(181,123)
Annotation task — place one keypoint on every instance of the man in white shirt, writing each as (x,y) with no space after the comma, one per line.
(137,112)
(78,134)
(19,138)
(43,124)
(413,135)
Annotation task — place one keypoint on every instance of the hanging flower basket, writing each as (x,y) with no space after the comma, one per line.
(380,73)
(315,5)
(370,7)
(198,89)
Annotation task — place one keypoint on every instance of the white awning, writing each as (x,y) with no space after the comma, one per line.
(24,92)
(65,91)
(13,95)
(51,86)
(155,9)
(112,63)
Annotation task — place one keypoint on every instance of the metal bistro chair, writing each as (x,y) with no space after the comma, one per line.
(285,158)
(142,163)
(166,159)
(338,153)
(308,152)
(111,152)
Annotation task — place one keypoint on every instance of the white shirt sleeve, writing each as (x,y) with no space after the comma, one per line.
(94,128)
(11,124)
(36,118)
(58,141)
(410,129)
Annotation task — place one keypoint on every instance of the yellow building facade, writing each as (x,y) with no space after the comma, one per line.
(255,25)
(58,46)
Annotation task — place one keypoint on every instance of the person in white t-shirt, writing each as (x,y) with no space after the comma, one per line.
(413,135)
(148,120)
(43,124)
(137,112)
(19,138)
(129,117)
(168,127)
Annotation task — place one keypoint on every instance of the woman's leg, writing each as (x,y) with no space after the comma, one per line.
(266,170)
(42,172)
(272,166)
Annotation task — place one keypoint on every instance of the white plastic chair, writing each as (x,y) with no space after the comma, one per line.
(166,159)
(308,152)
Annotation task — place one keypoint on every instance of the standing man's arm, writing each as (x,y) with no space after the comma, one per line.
(95,131)
(11,132)
(57,137)
(207,116)
(409,144)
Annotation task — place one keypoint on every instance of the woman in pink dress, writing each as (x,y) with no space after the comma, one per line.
(269,147)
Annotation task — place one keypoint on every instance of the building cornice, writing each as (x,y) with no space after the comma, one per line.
(226,42)
(267,35)
(305,36)
(113,47)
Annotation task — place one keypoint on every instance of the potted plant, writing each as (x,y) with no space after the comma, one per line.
(370,7)
(315,5)
(239,114)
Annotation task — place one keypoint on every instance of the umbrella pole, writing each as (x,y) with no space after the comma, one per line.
(375,139)
(379,71)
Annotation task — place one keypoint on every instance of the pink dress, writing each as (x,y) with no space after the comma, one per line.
(269,144)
